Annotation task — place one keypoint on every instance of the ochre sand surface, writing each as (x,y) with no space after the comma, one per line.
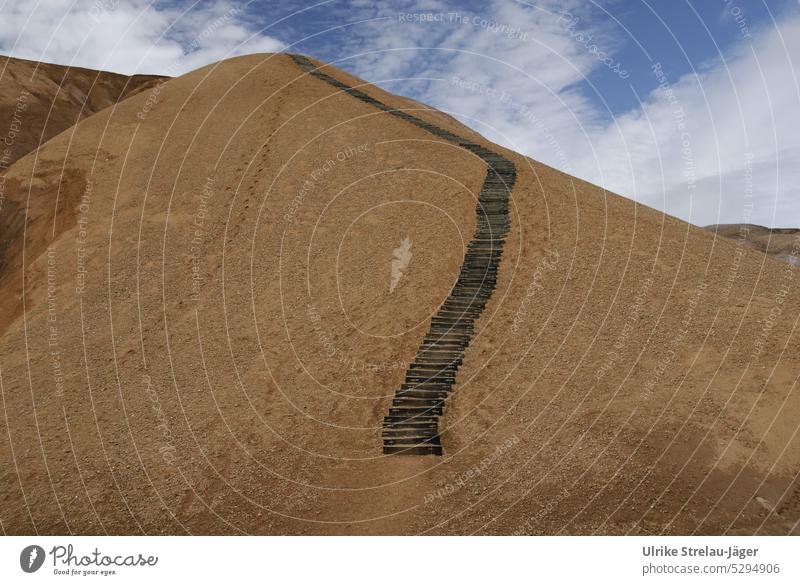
(207,343)
(37,102)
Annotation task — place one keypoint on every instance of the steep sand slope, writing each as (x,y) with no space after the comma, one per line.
(40,100)
(209,343)
(777,242)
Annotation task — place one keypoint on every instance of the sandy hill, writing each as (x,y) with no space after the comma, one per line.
(777,242)
(40,100)
(207,341)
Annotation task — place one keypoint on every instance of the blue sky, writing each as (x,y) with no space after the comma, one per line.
(689,107)
(682,36)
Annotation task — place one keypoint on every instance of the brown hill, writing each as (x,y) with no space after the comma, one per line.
(40,100)
(207,341)
(37,102)
(776,242)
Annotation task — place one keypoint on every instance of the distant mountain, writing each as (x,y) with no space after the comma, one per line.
(40,100)
(776,242)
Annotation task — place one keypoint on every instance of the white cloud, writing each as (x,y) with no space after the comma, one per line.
(739,144)
(740,114)
(131,36)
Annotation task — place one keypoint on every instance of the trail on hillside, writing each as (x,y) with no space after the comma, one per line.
(206,322)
